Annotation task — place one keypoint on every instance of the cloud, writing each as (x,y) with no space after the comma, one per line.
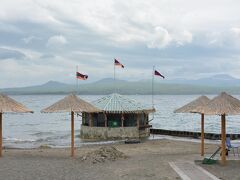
(128,23)
(9,28)
(177,36)
(227,38)
(57,40)
(27,73)
(236,31)
(184,37)
(47,56)
(29,54)
(30,39)
(160,38)
(10,54)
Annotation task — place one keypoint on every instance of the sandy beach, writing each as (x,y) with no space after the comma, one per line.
(147,160)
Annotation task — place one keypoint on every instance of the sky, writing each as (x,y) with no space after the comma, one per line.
(42,40)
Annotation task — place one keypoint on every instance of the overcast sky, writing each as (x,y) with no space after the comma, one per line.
(42,40)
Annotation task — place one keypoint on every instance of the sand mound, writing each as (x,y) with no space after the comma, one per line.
(108,153)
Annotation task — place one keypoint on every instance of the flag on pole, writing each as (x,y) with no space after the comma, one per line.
(117,63)
(156,73)
(81,76)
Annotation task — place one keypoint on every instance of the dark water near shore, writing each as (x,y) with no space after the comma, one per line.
(34,130)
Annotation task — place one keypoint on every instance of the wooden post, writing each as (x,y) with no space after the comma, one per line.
(83,118)
(145,119)
(105,119)
(138,123)
(122,120)
(0,134)
(72,130)
(223,157)
(90,120)
(202,134)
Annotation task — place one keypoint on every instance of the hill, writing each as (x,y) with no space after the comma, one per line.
(211,85)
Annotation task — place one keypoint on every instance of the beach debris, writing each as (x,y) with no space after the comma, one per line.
(44,146)
(132,141)
(106,153)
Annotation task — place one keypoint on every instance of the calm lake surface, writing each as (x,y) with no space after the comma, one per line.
(34,130)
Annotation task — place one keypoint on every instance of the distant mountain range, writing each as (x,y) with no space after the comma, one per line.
(217,80)
(211,85)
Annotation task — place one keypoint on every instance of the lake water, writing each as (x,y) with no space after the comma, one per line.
(34,130)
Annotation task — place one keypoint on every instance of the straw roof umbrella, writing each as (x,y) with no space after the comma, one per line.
(195,107)
(9,105)
(222,105)
(72,104)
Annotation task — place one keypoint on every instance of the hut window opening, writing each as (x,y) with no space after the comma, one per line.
(85,119)
(114,120)
(100,120)
(130,120)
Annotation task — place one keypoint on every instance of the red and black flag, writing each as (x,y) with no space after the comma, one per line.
(117,63)
(156,73)
(81,76)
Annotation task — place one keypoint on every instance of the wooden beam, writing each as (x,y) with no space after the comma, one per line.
(0,134)
(72,130)
(202,134)
(223,157)
(122,120)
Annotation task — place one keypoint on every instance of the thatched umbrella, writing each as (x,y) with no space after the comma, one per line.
(195,107)
(222,105)
(72,104)
(9,105)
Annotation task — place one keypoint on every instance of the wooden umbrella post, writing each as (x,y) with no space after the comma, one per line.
(0,134)
(223,157)
(72,130)
(202,134)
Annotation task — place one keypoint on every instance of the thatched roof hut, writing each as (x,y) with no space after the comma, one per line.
(121,117)
(71,103)
(116,103)
(194,106)
(9,105)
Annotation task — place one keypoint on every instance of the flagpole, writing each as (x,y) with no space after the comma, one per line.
(153,87)
(114,76)
(76,80)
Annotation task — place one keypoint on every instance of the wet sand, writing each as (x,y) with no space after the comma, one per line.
(147,160)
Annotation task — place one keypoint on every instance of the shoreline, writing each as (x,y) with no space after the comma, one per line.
(115,142)
(176,135)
